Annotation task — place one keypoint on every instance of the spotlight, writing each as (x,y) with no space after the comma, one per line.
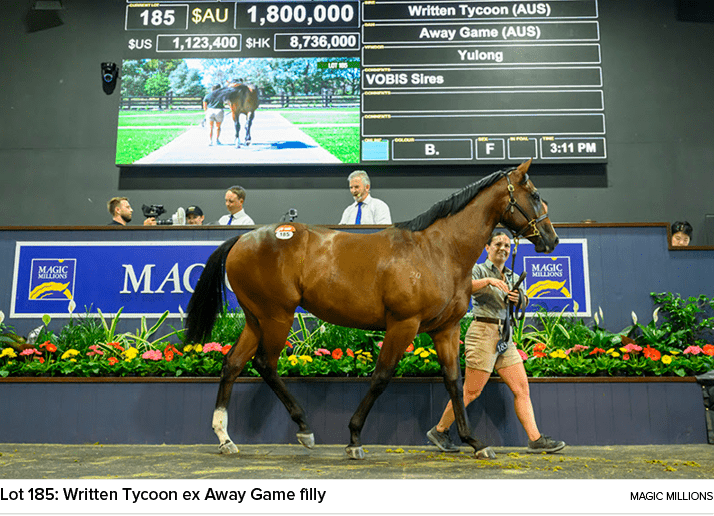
(110,74)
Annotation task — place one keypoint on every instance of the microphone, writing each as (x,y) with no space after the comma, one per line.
(290,216)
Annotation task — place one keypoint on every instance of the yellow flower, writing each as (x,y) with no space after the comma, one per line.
(615,354)
(198,348)
(8,352)
(130,354)
(609,351)
(188,349)
(673,352)
(432,351)
(666,359)
(70,353)
(427,361)
(293,359)
(424,354)
(305,358)
(418,351)
(558,353)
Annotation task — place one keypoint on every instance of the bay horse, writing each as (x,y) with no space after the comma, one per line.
(242,99)
(409,278)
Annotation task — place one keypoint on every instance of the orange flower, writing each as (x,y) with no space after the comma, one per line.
(708,349)
(350,353)
(337,353)
(652,353)
(112,360)
(225,349)
(410,348)
(49,346)
(539,347)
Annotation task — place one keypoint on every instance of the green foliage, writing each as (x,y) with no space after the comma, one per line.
(554,345)
(686,322)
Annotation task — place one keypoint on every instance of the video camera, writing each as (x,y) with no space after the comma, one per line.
(155,210)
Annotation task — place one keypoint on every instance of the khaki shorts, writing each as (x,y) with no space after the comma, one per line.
(214,115)
(480,342)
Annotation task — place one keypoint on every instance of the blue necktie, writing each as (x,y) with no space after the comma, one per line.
(358,220)
(230,219)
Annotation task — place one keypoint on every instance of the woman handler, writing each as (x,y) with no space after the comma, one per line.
(490,283)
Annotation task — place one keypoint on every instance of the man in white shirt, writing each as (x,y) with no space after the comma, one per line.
(235,197)
(366,209)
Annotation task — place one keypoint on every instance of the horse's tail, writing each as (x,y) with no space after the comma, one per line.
(207,300)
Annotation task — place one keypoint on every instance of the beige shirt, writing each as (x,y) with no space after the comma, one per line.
(490,301)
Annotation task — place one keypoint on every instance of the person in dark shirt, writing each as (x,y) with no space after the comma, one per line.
(121,211)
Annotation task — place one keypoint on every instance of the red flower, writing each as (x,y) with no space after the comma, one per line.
(169,352)
(597,351)
(523,354)
(539,354)
(289,344)
(112,360)
(625,357)
(49,346)
(337,353)
(350,353)
(539,347)
(379,344)
(652,353)
(410,348)
(708,349)
(41,359)
(225,349)
(115,345)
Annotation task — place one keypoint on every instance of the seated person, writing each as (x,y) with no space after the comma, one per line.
(121,212)
(681,234)
(194,216)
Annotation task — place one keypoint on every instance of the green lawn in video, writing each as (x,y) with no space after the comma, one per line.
(335,130)
(142,132)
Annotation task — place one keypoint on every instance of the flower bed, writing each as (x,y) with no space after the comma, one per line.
(554,345)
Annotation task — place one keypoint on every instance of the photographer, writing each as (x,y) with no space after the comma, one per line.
(120,210)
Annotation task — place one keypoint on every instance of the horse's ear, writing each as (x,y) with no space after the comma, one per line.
(523,167)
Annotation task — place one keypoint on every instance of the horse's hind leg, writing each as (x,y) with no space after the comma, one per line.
(446,344)
(236,124)
(266,361)
(232,366)
(396,340)
(248,123)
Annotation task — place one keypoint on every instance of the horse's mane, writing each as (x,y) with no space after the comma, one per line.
(451,205)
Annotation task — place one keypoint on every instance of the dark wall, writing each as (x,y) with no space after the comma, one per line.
(58,132)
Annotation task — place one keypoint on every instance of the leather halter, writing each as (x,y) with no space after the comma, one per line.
(513,203)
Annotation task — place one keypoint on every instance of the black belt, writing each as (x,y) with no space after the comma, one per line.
(489,320)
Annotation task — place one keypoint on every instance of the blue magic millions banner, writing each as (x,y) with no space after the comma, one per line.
(556,281)
(143,278)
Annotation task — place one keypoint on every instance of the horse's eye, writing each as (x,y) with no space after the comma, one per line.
(536,196)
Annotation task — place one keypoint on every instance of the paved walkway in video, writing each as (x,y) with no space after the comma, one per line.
(274,140)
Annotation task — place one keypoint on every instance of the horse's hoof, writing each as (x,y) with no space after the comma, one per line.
(306,439)
(355,452)
(485,454)
(228,448)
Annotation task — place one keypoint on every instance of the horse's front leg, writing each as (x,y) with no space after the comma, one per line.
(446,343)
(233,364)
(398,336)
(248,124)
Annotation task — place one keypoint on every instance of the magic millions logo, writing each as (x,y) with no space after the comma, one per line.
(52,279)
(549,278)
